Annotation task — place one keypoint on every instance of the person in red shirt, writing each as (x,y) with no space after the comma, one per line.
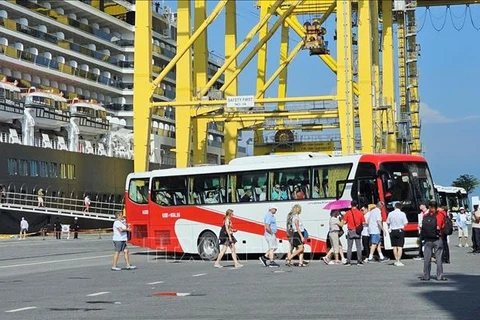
(353,219)
(433,243)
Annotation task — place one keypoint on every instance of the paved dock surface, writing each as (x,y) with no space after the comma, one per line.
(71,279)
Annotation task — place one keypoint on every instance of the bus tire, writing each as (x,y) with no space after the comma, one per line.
(208,246)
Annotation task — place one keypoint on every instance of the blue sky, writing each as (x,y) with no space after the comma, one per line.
(448,67)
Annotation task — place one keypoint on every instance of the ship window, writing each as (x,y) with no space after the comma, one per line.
(33,168)
(43,169)
(71,172)
(12,167)
(23,168)
(63,171)
(53,170)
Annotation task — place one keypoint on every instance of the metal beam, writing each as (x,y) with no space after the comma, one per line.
(142,92)
(259,45)
(388,75)
(184,86)
(282,79)
(345,76)
(186,46)
(242,46)
(222,103)
(365,76)
(280,68)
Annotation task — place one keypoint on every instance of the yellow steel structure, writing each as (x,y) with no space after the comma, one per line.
(363,109)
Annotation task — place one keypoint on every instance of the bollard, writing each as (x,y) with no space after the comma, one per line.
(43,233)
(99,233)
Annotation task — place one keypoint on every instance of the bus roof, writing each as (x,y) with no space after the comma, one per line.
(283,161)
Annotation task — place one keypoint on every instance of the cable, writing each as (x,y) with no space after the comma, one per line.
(471,18)
(464,16)
(444,21)
(424,20)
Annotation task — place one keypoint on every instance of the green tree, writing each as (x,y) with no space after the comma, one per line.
(467,182)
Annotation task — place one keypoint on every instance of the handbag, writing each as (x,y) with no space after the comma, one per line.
(341,232)
(358,229)
(305,233)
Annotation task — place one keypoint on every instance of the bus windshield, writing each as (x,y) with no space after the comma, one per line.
(411,185)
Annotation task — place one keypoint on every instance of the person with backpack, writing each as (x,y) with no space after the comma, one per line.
(445,234)
(432,226)
(298,239)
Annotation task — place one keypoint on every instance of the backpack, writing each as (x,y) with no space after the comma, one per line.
(288,227)
(448,227)
(429,227)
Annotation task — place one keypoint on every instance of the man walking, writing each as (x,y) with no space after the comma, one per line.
(354,219)
(23,228)
(432,225)
(462,228)
(397,220)
(270,236)
(375,228)
(120,238)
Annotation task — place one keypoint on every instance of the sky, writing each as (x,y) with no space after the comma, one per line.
(448,83)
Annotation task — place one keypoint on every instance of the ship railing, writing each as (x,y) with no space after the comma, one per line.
(105,208)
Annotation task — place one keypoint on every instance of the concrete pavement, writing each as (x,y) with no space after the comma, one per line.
(71,279)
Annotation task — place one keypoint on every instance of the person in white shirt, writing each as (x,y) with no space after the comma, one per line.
(375,229)
(397,220)
(23,228)
(120,237)
(87,203)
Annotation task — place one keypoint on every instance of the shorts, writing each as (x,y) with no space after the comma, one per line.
(296,240)
(463,232)
(119,245)
(397,238)
(226,241)
(375,238)
(23,230)
(271,241)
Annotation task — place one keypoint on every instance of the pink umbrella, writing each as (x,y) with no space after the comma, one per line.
(338,204)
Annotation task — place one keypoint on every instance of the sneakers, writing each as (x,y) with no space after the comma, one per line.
(371,260)
(466,245)
(344,261)
(217,266)
(384,259)
(398,264)
(238,265)
(116,269)
(326,260)
(331,263)
(418,258)
(273,264)
(360,263)
(263,260)
(130,267)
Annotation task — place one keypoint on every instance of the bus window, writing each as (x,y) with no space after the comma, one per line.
(138,190)
(209,189)
(295,182)
(325,179)
(247,184)
(169,191)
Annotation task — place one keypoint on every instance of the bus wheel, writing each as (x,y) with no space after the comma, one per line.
(208,246)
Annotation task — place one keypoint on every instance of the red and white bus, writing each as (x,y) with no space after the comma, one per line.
(183,209)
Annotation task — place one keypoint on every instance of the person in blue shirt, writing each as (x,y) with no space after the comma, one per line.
(270,236)
(279,193)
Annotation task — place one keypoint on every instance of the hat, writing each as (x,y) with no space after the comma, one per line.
(462,208)
(273,207)
(76,218)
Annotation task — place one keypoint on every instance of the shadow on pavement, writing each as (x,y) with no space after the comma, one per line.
(458,296)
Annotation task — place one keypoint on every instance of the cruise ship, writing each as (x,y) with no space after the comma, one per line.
(66,111)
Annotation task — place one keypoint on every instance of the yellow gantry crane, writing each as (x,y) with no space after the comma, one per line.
(364,68)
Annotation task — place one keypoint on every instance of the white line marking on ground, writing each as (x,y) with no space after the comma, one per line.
(183,294)
(21,309)
(51,261)
(155,282)
(198,275)
(97,294)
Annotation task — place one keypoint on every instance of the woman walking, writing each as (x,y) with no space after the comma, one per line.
(227,240)
(297,238)
(336,231)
